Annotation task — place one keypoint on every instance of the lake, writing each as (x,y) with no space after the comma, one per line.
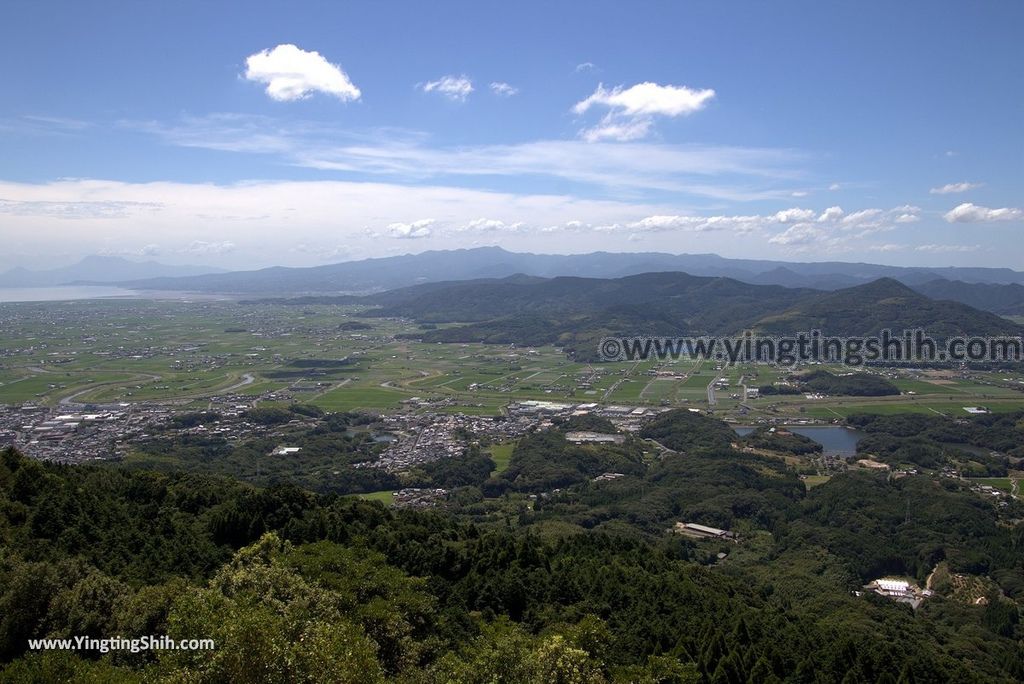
(835,439)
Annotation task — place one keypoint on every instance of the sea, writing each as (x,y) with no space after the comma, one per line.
(67,293)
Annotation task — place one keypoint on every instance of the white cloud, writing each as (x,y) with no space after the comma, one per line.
(797,234)
(294,74)
(585,66)
(834,186)
(646,99)
(208,248)
(263,223)
(831,228)
(486,225)
(794,215)
(416,229)
(631,111)
(972,213)
(699,224)
(503,89)
(951,188)
(831,214)
(860,224)
(455,88)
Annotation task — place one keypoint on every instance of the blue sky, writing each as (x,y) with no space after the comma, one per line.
(251,134)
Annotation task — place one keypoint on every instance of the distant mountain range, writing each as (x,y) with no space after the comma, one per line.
(576,312)
(387,273)
(1000,290)
(99,270)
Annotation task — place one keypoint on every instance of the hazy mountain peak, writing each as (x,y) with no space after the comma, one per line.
(99,269)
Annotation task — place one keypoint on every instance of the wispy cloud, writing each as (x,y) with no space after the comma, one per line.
(150,250)
(75,209)
(952,188)
(291,73)
(455,88)
(322,252)
(33,124)
(502,89)
(636,169)
(946,249)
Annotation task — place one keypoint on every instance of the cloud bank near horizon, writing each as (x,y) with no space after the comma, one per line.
(304,222)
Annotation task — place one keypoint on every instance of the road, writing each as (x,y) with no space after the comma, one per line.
(712,400)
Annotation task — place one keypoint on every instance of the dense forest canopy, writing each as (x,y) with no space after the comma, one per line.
(293,584)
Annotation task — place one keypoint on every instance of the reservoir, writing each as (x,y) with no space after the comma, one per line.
(835,440)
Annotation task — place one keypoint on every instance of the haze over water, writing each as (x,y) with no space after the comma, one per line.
(61,294)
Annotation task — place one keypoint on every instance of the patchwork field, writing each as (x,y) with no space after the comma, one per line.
(189,353)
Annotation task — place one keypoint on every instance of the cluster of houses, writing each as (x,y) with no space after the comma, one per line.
(423,438)
(60,435)
(414,497)
(74,433)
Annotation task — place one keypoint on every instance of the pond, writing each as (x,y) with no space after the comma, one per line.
(836,440)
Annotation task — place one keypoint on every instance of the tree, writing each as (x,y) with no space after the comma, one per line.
(269,625)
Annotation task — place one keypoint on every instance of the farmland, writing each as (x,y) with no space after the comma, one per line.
(189,353)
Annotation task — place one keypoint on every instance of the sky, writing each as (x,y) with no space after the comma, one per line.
(244,135)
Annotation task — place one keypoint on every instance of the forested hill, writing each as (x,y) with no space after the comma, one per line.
(296,587)
(885,304)
(1005,299)
(674,301)
(575,312)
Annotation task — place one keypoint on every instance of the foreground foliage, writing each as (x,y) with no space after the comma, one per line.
(298,587)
